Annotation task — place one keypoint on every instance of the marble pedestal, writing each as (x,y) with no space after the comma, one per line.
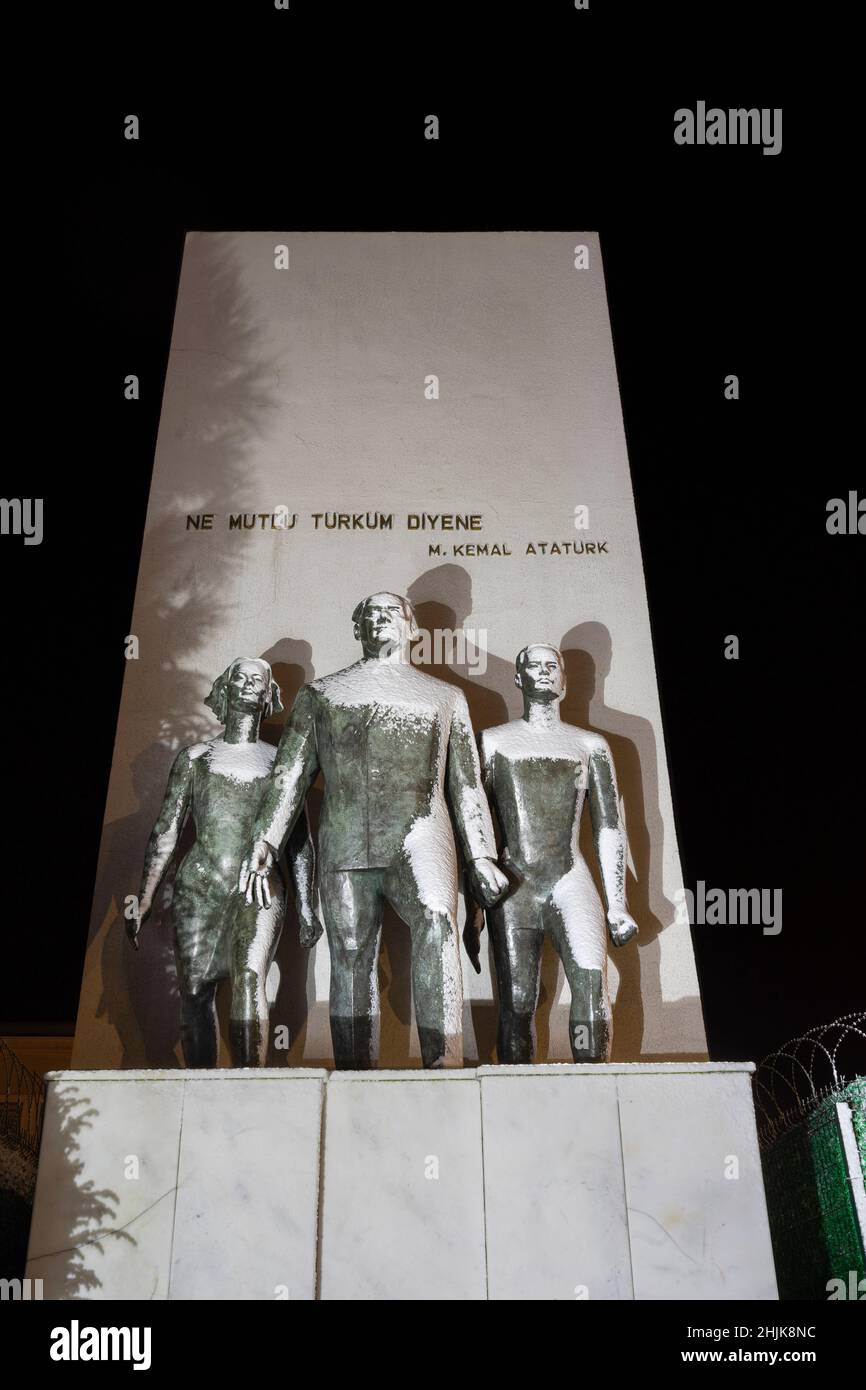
(178,1184)
(548,1182)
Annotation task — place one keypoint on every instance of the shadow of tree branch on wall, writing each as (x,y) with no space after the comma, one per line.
(75,1216)
(129,1013)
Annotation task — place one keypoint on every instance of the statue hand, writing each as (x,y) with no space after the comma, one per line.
(472,930)
(622,926)
(311,930)
(134,924)
(253,877)
(487,881)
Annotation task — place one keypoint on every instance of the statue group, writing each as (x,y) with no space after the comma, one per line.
(402,777)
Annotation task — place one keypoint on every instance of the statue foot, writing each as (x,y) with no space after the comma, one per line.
(247,1044)
(352,1040)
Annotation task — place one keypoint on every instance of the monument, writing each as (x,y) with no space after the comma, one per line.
(311,416)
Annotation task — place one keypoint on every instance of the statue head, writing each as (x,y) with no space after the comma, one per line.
(384,624)
(540,673)
(248,686)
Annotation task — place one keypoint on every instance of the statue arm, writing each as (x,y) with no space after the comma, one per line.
(469,807)
(288,782)
(167,830)
(485,762)
(471,813)
(292,774)
(610,841)
(474,924)
(301,853)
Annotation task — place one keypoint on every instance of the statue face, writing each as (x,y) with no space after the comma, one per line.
(385,625)
(249,685)
(541,676)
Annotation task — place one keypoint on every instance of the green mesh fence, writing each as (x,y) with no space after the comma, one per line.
(855,1094)
(813,1220)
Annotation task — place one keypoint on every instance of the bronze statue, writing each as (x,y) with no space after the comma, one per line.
(217,935)
(390,741)
(537,772)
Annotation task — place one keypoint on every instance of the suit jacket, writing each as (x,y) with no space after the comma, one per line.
(389,740)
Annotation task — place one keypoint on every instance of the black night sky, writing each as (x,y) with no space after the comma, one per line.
(717,261)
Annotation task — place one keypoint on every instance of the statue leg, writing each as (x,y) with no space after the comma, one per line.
(437,979)
(589,1021)
(352,910)
(199,955)
(517,932)
(199,1031)
(578,929)
(254,937)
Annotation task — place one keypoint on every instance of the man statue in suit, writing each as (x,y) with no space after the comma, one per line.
(390,742)
(538,772)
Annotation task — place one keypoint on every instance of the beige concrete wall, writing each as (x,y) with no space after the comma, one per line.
(304,388)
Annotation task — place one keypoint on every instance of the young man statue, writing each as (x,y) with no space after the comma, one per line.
(537,773)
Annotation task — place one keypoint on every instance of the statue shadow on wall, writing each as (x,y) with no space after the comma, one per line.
(139,996)
(588,652)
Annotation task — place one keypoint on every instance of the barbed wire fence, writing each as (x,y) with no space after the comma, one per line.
(790,1082)
(810,1098)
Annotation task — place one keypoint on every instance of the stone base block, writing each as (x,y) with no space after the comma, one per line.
(548,1182)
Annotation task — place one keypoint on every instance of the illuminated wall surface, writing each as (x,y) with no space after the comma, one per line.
(301,391)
